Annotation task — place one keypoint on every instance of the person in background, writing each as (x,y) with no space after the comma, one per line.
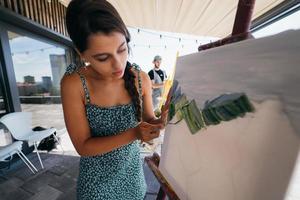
(158,78)
(107,105)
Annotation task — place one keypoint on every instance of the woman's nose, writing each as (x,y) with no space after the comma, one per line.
(117,63)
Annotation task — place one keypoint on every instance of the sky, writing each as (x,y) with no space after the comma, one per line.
(30,59)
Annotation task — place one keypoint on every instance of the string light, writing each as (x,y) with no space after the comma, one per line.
(174,46)
(35,50)
(163,35)
(161,46)
(180,39)
(160,35)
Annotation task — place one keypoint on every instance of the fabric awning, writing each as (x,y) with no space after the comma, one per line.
(196,17)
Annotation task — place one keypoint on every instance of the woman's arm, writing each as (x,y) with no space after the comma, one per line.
(72,95)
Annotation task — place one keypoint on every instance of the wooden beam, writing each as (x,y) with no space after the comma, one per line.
(31,12)
(15,6)
(40,13)
(49,8)
(2,3)
(44,13)
(26,8)
(54,6)
(63,15)
(8,4)
(60,17)
(13,19)
(61,8)
(21,7)
(53,15)
(35,11)
(64,18)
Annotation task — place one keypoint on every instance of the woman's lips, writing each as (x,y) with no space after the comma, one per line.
(118,72)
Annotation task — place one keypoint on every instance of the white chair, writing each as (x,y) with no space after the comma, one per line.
(20,126)
(15,148)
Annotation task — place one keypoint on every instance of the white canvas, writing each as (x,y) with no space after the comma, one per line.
(247,158)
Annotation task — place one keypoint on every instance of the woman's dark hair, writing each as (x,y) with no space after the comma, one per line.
(87,17)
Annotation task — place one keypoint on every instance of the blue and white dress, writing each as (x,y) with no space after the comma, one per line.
(116,175)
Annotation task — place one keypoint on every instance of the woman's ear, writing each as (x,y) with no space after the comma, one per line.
(80,54)
(83,61)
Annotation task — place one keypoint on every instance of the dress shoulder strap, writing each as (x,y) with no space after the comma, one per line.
(74,68)
(85,88)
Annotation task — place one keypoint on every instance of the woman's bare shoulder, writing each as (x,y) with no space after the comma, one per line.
(143,75)
(69,79)
(146,83)
(71,84)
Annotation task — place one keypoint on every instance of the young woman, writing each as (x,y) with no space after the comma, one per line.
(107,105)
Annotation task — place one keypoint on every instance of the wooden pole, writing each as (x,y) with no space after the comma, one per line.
(165,187)
(243,17)
(241,26)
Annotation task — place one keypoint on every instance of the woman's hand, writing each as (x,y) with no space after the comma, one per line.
(146,132)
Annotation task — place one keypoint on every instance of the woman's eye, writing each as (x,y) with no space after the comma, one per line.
(102,59)
(122,50)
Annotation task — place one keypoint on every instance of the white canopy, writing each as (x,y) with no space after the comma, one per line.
(213,18)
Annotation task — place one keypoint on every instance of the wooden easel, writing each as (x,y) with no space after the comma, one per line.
(165,189)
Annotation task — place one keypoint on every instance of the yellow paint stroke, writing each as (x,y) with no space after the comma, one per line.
(168,84)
